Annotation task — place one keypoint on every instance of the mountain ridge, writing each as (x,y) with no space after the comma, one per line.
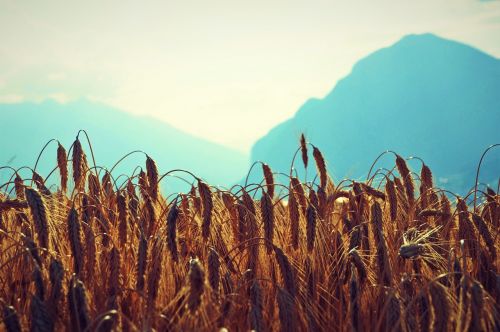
(114,133)
(421,84)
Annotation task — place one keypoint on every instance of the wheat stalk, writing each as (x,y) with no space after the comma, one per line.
(40,217)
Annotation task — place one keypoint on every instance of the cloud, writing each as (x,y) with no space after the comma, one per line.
(36,82)
(11,98)
(60,97)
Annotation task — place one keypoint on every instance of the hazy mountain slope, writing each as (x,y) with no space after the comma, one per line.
(423,96)
(25,127)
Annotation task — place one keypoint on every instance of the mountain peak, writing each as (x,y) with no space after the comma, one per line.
(421,37)
(424,59)
(431,44)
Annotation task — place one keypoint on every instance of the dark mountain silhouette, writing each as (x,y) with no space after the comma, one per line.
(424,96)
(25,128)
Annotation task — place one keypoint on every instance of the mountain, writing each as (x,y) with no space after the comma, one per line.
(423,96)
(26,127)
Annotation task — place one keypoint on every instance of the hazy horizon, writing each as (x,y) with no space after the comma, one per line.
(225,72)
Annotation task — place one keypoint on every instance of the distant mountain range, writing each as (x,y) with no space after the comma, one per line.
(423,96)
(26,127)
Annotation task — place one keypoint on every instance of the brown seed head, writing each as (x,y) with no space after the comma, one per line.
(172,230)
(293,213)
(196,284)
(10,319)
(382,259)
(75,239)
(303,149)
(40,217)
(404,171)
(410,250)
(255,317)
(39,315)
(207,204)
(440,307)
(78,305)
(310,227)
(372,191)
(141,262)
(321,166)
(62,164)
(213,270)
(121,202)
(426,176)
(287,314)
(357,262)
(40,184)
(268,175)
(19,186)
(267,214)
(152,172)
(286,271)
(79,164)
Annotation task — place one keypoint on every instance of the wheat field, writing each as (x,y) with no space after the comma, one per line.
(392,253)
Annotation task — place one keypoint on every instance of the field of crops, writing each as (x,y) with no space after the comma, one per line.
(393,253)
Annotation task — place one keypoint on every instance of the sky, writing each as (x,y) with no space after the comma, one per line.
(224,70)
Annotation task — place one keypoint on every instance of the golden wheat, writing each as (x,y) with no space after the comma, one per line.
(94,254)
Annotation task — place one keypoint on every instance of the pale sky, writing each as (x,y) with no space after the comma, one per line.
(225,70)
